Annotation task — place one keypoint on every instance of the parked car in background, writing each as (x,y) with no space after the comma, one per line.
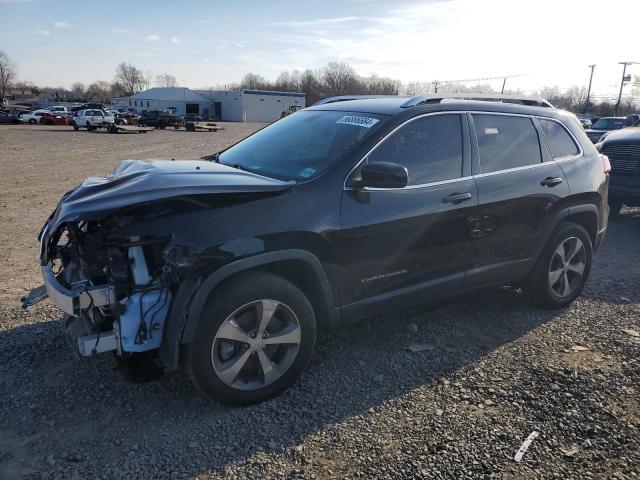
(54,118)
(58,108)
(91,119)
(623,149)
(342,211)
(192,117)
(126,118)
(585,120)
(632,120)
(8,118)
(34,116)
(604,125)
(159,119)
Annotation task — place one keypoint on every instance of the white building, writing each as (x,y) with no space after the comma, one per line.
(252,105)
(230,106)
(181,100)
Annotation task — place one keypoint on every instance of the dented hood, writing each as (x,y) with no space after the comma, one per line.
(140,181)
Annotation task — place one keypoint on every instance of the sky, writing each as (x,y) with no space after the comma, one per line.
(211,43)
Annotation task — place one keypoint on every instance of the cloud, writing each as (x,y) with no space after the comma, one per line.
(122,31)
(316,22)
(151,38)
(42,32)
(61,24)
(174,40)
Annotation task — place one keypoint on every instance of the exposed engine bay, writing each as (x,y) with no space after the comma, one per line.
(120,288)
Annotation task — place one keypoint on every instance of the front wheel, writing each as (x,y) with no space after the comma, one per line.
(562,268)
(253,339)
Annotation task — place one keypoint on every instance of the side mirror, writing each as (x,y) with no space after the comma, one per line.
(383,175)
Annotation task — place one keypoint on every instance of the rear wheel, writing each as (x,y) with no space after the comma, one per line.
(254,338)
(75,127)
(32,121)
(563,267)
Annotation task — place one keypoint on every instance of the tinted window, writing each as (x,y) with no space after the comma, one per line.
(560,142)
(430,148)
(506,142)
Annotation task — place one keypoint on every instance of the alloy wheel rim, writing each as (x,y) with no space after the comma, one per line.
(567,266)
(256,344)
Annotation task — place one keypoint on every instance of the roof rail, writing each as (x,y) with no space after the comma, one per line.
(487,97)
(346,98)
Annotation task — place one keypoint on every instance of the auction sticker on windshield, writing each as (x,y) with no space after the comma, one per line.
(366,122)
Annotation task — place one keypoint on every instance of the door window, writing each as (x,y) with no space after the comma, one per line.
(506,142)
(559,140)
(430,148)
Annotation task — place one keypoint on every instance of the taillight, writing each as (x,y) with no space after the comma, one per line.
(606,164)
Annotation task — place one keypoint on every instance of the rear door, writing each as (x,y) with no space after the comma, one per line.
(519,187)
(401,246)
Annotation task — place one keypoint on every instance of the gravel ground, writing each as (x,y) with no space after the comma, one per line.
(491,369)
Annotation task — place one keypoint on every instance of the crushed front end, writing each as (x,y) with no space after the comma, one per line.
(116,292)
(118,251)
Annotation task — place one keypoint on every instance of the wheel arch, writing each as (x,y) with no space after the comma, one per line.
(586,215)
(300,267)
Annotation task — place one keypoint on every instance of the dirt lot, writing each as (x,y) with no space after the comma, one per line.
(493,369)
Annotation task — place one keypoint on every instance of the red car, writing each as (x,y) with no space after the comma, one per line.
(54,118)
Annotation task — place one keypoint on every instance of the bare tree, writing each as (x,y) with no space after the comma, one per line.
(166,80)
(99,92)
(310,86)
(251,81)
(131,79)
(339,77)
(7,72)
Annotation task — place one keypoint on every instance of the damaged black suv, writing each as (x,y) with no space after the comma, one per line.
(230,264)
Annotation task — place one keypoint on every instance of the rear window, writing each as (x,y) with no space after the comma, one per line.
(559,140)
(506,142)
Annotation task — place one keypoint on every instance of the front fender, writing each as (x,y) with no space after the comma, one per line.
(193,292)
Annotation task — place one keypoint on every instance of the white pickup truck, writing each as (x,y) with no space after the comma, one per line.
(91,119)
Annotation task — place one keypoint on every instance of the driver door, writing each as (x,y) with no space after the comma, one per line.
(402,246)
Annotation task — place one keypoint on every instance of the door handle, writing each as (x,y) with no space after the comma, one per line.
(456,198)
(551,181)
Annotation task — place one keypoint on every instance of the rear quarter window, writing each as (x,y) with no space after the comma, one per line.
(559,140)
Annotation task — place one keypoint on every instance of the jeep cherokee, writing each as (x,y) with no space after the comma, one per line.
(344,210)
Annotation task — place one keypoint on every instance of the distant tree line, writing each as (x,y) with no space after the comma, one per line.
(335,78)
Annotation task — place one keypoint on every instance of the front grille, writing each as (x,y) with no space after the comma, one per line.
(624,158)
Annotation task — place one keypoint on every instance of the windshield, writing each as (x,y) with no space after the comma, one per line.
(303,145)
(609,124)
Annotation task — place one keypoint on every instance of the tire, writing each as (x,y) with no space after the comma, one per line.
(75,127)
(243,299)
(89,127)
(555,282)
(32,121)
(615,206)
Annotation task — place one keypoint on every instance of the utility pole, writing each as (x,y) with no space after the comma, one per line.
(503,84)
(435,85)
(586,105)
(624,71)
